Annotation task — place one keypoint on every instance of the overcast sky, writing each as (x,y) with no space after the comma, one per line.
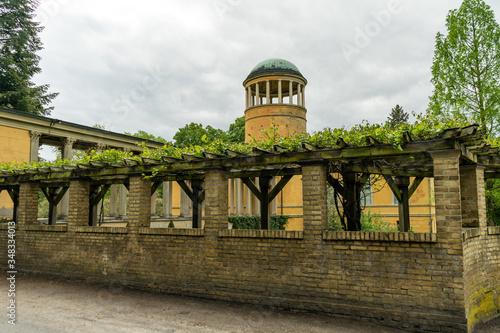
(157,65)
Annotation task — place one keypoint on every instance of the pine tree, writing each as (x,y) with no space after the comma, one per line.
(19,62)
(397,117)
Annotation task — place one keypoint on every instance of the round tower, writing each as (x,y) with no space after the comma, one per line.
(275,94)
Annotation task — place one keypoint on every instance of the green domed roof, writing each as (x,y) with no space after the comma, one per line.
(274,66)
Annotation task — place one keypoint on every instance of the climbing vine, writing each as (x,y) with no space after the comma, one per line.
(425,127)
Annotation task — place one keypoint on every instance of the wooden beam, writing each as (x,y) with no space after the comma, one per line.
(278,187)
(335,184)
(251,186)
(392,184)
(414,185)
(185,188)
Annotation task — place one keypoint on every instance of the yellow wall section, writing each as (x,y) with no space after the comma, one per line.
(289,119)
(14,147)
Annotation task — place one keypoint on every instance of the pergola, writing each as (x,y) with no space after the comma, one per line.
(349,169)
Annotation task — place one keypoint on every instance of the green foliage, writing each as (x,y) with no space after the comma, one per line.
(278,222)
(171,224)
(19,62)
(148,136)
(236,132)
(195,134)
(493,200)
(425,127)
(397,117)
(466,67)
(374,222)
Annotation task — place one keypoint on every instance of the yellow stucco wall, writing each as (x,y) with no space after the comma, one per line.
(14,147)
(289,119)
(422,207)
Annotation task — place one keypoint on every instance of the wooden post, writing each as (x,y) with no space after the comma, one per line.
(264,183)
(404,205)
(351,201)
(197,186)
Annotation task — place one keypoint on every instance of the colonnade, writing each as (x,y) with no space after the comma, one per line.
(261,93)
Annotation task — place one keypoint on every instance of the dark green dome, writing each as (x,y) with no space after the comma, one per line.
(274,66)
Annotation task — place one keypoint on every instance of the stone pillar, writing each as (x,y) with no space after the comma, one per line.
(280,93)
(303,96)
(153,204)
(185,202)
(113,195)
(448,199)
(28,203)
(274,203)
(239,197)
(299,95)
(122,203)
(216,202)
(167,199)
(290,92)
(256,205)
(231,197)
(268,92)
(473,198)
(67,154)
(139,203)
(248,202)
(34,145)
(79,203)
(314,196)
(257,98)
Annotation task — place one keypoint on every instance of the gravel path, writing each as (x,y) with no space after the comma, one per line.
(47,306)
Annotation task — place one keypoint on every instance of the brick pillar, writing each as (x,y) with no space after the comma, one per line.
(314,196)
(448,199)
(139,202)
(216,202)
(473,196)
(79,203)
(28,203)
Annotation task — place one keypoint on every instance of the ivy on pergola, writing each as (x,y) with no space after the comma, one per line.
(352,165)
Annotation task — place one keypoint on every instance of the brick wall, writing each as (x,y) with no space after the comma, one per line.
(482,275)
(411,281)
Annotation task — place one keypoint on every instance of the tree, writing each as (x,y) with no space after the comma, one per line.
(196,134)
(236,132)
(147,136)
(19,43)
(466,66)
(397,117)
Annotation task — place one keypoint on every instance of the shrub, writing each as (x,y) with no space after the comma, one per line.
(278,222)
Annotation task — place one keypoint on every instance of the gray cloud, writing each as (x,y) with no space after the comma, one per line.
(157,65)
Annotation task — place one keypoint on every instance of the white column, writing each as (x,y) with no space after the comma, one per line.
(153,204)
(249,97)
(231,196)
(122,205)
(239,197)
(167,199)
(290,92)
(256,207)
(299,94)
(268,92)
(257,97)
(304,96)
(34,145)
(274,203)
(280,94)
(67,154)
(113,195)
(248,201)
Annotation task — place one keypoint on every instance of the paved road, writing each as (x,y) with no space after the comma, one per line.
(47,306)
